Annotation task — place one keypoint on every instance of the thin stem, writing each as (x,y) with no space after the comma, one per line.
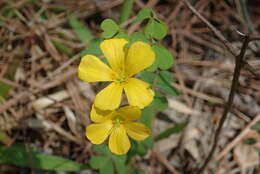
(235,83)
(219,35)
(230,48)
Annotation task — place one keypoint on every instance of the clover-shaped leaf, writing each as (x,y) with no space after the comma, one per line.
(145,13)
(107,163)
(156,29)
(163,56)
(109,27)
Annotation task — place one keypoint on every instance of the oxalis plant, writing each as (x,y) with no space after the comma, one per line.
(135,68)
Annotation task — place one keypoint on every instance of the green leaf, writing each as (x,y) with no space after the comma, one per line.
(93,48)
(10,73)
(63,48)
(122,34)
(119,161)
(164,82)
(126,10)
(144,146)
(173,130)
(164,57)
(83,33)
(4,89)
(160,102)
(256,127)
(102,148)
(108,168)
(148,76)
(153,67)
(138,36)
(147,116)
(145,13)
(98,162)
(109,27)
(166,76)
(18,155)
(136,171)
(156,29)
(140,147)
(5,139)
(250,141)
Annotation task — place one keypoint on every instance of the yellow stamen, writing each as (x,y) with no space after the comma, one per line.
(121,77)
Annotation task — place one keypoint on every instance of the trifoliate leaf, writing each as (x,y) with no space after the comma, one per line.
(144,146)
(98,162)
(156,29)
(109,27)
(122,34)
(148,76)
(164,82)
(145,13)
(138,36)
(163,56)
(108,168)
(119,161)
(102,148)
(153,67)
(160,102)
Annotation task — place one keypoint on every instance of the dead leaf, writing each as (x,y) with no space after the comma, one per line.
(44,102)
(72,120)
(246,156)
(182,108)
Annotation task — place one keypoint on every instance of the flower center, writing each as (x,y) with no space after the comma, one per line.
(118,120)
(121,77)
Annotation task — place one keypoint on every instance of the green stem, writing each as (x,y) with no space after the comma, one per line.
(126,10)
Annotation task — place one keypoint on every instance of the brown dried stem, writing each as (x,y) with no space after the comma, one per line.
(228,105)
(235,81)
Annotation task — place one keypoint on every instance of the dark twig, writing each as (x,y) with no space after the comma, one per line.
(220,36)
(254,38)
(227,44)
(235,81)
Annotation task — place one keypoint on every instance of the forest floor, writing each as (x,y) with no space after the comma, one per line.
(44,103)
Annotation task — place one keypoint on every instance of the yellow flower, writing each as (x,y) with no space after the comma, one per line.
(124,63)
(119,124)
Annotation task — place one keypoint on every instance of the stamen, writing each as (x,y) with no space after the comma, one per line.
(121,77)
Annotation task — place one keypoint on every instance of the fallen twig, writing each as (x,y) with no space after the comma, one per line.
(235,81)
(238,138)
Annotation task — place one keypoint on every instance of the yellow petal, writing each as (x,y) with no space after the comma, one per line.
(110,97)
(137,131)
(97,115)
(113,50)
(140,56)
(92,69)
(98,133)
(138,93)
(118,141)
(130,113)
